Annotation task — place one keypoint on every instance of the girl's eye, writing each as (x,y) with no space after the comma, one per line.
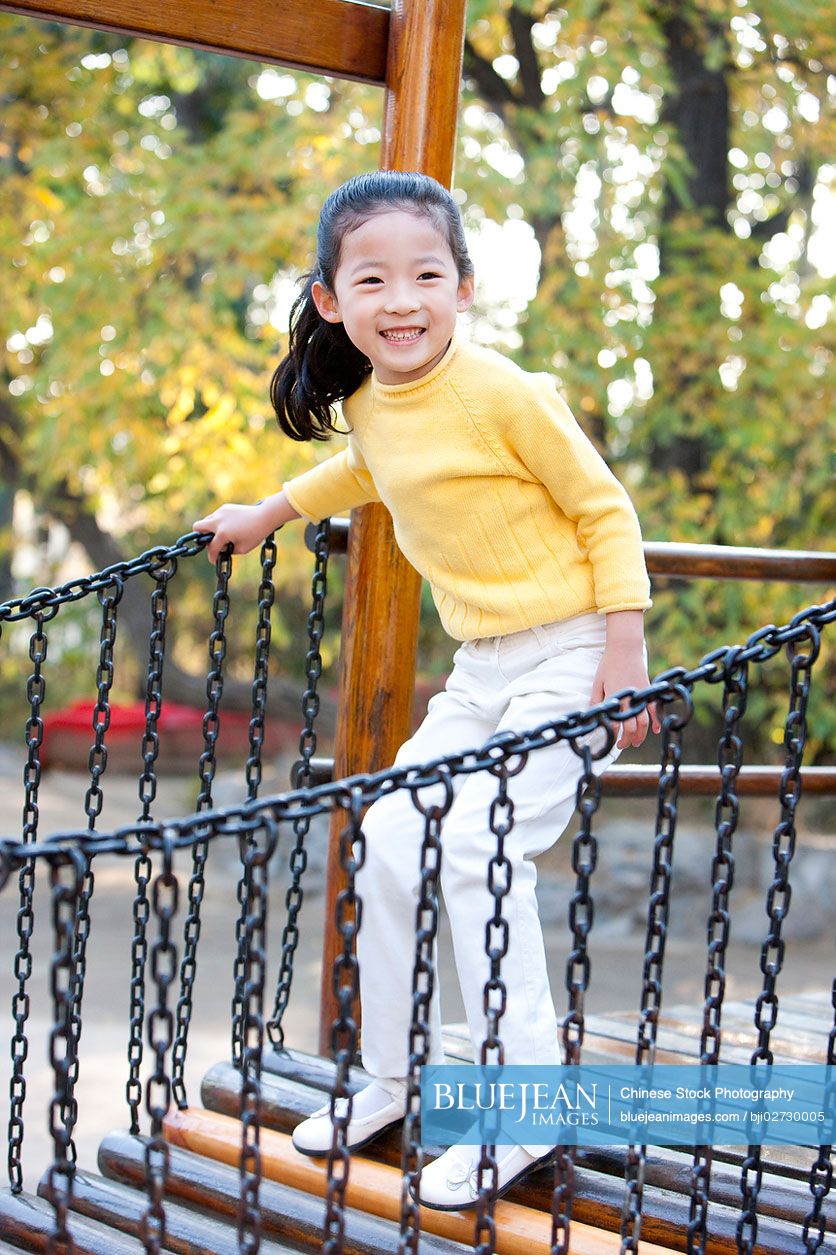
(371,279)
(428,274)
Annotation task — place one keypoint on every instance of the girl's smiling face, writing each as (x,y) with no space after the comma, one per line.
(397,292)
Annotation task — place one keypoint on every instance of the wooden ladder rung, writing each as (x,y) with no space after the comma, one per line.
(376,1187)
(29,1221)
(122,1208)
(287,1214)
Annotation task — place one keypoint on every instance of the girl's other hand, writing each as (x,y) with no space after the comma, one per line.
(623,666)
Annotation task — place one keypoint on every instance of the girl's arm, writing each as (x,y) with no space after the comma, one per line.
(623,666)
(245,526)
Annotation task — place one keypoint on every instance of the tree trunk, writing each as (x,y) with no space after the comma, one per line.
(698,108)
(7,502)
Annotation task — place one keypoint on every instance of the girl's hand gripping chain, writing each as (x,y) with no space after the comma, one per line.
(244,526)
(623,666)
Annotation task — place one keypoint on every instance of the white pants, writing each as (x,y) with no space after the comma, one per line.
(499,683)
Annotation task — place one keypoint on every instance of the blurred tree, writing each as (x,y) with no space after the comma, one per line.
(671,160)
(155,203)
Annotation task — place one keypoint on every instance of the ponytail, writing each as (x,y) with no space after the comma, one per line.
(322,366)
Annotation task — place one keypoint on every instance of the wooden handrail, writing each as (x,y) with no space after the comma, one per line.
(738,562)
(698,780)
(346,38)
(688,561)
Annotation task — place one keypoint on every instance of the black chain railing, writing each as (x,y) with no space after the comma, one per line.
(254,823)
(581,915)
(423,988)
(142,866)
(727,812)
(109,597)
(165,897)
(674,721)
(256,849)
(67,873)
(495,997)
(266,596)
(40,607)
(778,902)
(303,779)
(35,691)
(200,850)
(349,913)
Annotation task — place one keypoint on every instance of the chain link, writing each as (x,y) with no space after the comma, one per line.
(821,1173)
(674,723)
(423,984)
(261,666)
(256,848)
(302,780)
(67,870)
(109,598)
(349,917)
(581,915)
(142,865)
(41,599)
(727,811)
(35,692)
(778,904)
(266,596)
(165,895)
(206,772)
(495,995)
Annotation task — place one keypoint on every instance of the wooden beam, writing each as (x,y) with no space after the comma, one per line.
(380,611)
(738,562)
(643,780)
(691,562)
(345,38)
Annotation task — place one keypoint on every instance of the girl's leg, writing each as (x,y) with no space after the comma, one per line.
(388,886)
(544,798)
(389,882)
(544,795)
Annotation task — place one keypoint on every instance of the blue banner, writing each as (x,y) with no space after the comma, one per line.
(657,1104)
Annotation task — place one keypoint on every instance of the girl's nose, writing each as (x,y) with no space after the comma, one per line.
(402,300)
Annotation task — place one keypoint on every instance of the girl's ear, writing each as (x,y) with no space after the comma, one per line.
(325,302)
(466,294)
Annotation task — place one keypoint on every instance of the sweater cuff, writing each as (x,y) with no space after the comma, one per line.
(290,492)
(625,605)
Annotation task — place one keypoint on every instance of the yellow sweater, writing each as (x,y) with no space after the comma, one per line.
(497,497)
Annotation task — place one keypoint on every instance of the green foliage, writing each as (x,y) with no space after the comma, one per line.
(154,201)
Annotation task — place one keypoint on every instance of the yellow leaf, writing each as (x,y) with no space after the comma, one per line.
(48,199)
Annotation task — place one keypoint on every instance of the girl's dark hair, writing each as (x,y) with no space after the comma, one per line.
(322,366)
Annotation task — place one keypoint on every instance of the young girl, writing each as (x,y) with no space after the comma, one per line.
(533,552)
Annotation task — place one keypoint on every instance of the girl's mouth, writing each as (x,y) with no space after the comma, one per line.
(403,335)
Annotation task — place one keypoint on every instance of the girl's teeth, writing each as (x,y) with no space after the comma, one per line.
(401,335)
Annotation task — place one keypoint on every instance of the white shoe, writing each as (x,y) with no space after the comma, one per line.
(451,1182)
(374,1109)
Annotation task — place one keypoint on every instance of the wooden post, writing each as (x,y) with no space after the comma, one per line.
(380,614)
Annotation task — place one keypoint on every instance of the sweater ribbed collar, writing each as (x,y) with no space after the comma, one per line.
(393,391)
